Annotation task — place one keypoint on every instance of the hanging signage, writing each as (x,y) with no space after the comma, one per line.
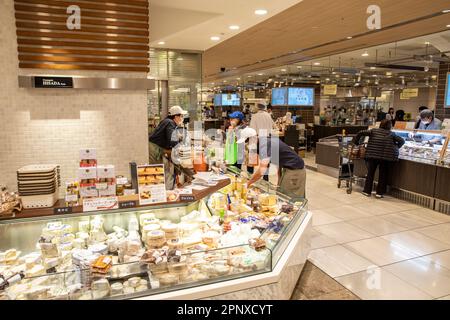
(151,184)
(330,90)
(249,95)
(53,82)
(409,93)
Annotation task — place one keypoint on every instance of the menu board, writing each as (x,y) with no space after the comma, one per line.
(447,92)
(151,184)
(279,96)
(301,97)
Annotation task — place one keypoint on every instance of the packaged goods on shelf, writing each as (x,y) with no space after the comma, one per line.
(88,158)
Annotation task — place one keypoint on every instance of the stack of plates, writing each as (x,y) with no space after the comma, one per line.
(38,185)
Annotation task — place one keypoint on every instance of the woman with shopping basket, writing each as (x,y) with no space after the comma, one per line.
(382,151)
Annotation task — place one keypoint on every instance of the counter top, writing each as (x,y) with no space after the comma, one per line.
(126,202)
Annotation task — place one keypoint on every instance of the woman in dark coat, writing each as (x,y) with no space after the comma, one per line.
(382,151)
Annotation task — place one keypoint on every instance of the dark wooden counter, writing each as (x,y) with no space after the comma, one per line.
(442,191)
(321,132)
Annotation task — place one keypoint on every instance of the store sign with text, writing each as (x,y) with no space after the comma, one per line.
(249,95)
(409,93)
(53,82)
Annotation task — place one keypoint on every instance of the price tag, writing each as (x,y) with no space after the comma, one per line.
(128,204)
(187,198)
(100,204)
(62,210)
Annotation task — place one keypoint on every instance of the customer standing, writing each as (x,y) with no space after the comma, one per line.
(262,122)
(390,115)
(382,151)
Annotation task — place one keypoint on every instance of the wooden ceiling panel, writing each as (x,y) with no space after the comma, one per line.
(315,24)
(114,35)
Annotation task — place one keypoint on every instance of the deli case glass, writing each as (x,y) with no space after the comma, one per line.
(144,251)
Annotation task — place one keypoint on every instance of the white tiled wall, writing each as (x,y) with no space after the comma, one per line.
(50,126)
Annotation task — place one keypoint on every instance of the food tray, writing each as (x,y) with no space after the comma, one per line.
(38,169)
(39,201)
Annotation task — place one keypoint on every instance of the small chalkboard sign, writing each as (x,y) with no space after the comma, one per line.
(128,204)
(62,210)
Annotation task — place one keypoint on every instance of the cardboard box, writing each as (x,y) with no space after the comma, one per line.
(105,172)
(87,173)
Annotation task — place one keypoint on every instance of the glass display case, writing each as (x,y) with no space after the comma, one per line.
(139,252)
(428,147)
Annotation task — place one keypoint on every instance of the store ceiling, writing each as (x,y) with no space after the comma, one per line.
(190,24)
(350,68)
(319,28)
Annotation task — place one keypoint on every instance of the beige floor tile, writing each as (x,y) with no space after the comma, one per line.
(366,286)
(322,202)
(347,212)
(380,251)
(344,232)
(377,226)
(321,218)
(424,274)
(379,207)
(430,215)
(445,298)
(319,240)
(441,258)
(439,232)
(417,242)
(337,261)
(407,220)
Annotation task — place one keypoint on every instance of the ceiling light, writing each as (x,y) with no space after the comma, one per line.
(317,82)
(317,63)
(234,27)
(327,79)
(448,26)
(427,43)
(373,68)
(389,73)
(365,54)
(349,38)
(260,74)
(215,38)
(249,76)
(283,70)
(299,67)
(161,43)
(446,11)
(261,12)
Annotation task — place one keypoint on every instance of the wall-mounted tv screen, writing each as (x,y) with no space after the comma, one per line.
(279,96)
(447,92)
(301,97)
(231,100)
(218,100)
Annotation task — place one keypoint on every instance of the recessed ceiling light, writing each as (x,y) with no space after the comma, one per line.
(317,63)
(260,74)
(317,82)
(448,26)
(215,38)
(389,73)
(373,68)
(365,54)
(234,27)
(349,38)
(427,43)
(261,12)
(283,70)
(446,11)
(161,43)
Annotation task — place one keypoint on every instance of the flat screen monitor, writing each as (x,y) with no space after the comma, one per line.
(447,92)
(218,100)
(231,100)
(301,97)
(279,96)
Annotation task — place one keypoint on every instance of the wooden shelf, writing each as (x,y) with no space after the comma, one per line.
(49,212)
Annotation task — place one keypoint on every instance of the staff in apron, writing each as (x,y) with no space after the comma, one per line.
(163,139)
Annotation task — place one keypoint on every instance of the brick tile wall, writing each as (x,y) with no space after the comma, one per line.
(442,112)
(50,126)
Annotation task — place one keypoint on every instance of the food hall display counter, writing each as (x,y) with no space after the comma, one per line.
(322,131)
(421,175)
(231,243)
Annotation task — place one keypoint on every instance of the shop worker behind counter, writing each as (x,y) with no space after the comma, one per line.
(290,165)
(163,139)
(382,151)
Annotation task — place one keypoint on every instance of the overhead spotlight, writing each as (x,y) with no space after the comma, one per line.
(317,63)
(234,27)
(365,54)
(215,38)
(261,12)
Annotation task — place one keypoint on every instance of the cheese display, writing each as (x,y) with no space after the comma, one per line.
(100,257)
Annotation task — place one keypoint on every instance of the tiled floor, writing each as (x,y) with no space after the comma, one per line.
(377,249)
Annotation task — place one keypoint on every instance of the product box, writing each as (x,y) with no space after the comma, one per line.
(88,157)
(109,191)
(88,191)
(106,187)
(87,173)
(105,172)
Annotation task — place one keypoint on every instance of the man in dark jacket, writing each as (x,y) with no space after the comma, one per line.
(382,150)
